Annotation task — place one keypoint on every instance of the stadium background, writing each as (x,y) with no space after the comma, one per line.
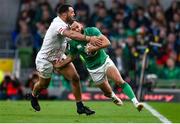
(131,25)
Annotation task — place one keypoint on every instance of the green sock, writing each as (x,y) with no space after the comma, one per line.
(128,90)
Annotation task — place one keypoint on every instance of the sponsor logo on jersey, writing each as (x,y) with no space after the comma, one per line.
(79,46)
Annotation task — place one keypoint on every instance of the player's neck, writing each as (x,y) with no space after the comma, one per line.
(63,18)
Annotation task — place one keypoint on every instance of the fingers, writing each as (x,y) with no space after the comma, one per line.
(57,65)
(88,47)
(96,41)
(57,62)
(76,26)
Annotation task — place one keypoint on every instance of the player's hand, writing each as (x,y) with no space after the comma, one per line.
(89,48)
(58,63)
(95,41)
(76,26)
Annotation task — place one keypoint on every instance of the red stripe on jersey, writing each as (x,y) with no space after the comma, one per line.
(61,30)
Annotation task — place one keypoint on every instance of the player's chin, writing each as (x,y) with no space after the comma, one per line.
(70,20)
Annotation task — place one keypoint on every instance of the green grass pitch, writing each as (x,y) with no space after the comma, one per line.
(169,110)
(65,111)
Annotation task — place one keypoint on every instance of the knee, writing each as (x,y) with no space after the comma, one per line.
(119,81)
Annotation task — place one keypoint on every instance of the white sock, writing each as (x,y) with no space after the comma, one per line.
(135,101)
(113,95)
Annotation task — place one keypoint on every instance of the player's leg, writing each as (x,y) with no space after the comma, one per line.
(43,83)
(45,69)
(70,73)
(99,77)
(40,85)
(113,74)
(107,90)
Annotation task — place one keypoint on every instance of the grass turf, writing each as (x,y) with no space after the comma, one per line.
(170,110)
(65,111)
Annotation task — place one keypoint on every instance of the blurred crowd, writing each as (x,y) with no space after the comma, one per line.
(14,89)
(130,28)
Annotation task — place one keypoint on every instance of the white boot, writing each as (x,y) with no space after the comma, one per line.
(139,106)
(116,100)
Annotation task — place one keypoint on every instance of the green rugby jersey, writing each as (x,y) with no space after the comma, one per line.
(94,60)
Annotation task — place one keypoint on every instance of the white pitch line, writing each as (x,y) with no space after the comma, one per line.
(157,114)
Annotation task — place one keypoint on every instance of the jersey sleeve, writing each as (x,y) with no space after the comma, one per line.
(72,49)
(59,28)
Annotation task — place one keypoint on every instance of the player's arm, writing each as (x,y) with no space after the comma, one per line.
(105,43)
(78,36)
(64,62)
(76,25)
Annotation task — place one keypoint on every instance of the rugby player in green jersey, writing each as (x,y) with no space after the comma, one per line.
(99,65)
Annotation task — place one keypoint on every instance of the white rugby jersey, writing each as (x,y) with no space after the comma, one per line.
(54,43)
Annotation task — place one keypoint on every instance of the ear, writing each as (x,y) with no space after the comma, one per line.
(64,14)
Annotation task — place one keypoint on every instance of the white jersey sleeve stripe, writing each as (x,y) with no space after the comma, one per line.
(61,30)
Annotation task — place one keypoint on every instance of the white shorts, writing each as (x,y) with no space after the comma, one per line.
(45,67)
(98,75)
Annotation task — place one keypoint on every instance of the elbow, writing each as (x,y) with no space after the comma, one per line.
(107,43)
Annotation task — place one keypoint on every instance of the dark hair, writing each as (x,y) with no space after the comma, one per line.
(63,8)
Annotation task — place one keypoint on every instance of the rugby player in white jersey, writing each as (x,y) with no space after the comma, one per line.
(52,51)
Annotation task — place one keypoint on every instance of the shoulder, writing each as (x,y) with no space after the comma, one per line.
(92,31)
(58,22)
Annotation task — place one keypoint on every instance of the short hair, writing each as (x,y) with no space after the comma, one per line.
(63,8)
